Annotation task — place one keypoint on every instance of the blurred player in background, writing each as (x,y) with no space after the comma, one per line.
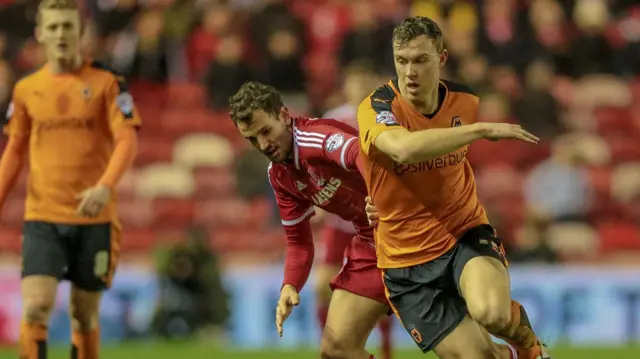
(314,165)
(78,124)
(359,81)
(444,268)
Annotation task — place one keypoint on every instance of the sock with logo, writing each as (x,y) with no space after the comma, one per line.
(85,345)
(385,334)
(33,341)
(322,311)
(518,332)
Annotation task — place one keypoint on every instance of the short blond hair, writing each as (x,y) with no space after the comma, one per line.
(55,5)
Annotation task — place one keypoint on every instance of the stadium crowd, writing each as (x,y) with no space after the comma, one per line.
(568,71)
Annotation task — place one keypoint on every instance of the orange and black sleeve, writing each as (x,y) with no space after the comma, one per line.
(375,115)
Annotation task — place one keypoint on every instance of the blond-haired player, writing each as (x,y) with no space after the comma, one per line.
(77,122)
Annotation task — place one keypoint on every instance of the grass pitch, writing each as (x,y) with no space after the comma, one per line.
(157,350)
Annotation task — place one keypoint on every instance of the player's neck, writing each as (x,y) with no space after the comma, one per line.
(428,104)
(63,66)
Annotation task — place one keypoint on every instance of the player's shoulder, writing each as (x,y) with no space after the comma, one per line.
(29,80)
(459,88)
(109,73)
(320,127)
(276,173)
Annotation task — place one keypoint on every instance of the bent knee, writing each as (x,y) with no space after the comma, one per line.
(493,315)
(37,309)
(335,348)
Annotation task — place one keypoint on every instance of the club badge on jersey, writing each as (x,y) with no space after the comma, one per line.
(334,142)
(387,118)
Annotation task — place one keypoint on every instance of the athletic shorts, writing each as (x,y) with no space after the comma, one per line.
(336,242)
(360,273)
(85,255)
(427,298)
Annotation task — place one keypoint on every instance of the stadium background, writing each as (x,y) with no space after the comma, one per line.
(203,249)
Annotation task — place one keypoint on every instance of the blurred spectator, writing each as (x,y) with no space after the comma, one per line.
(367,39)
(590,52)
(532,247)
(191,293)
(6,83)
(558,188)
(275,16)
(204,41)
(151,62)
(282,67)
(537,109)
(226,73)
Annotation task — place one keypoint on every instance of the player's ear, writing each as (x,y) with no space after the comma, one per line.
(38,34)
(444,55)
(285,115)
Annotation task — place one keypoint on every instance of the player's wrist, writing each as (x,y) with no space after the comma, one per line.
(289,287)
(480,129)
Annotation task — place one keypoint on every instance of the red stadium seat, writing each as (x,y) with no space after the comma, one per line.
(618,236)
(613,120)
(186,95)
(13,212)
(173,212)
(224,212)
(136,213)
(214,182)
(138,240)
(10,240)
(153,149)
(624,149)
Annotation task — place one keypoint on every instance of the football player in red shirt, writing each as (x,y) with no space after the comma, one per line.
(315,164)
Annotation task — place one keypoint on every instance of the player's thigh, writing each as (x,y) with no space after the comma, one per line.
(45,259)
(426,300)
(467,341)
(351,320)
(97,249)
(481,273)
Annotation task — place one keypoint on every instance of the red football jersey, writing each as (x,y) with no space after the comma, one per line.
(324,173)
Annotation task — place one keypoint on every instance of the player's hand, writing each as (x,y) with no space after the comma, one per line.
(507,131)
(372,211)
(93,201)
(289,298)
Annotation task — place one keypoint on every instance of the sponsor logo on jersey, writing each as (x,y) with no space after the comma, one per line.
(324,195)
(387,118)
(456,121)
(334,142)
(451,159)
(317,179)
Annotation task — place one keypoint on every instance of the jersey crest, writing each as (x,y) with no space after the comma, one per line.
(334,142)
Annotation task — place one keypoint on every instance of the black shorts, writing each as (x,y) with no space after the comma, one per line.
(86,255)
(427,297)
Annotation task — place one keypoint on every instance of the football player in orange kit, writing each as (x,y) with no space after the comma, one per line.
(77,122)
(443,266)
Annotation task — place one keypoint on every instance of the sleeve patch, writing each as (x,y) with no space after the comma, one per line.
(387,118)
(334,142)
(10,110)
(124,101)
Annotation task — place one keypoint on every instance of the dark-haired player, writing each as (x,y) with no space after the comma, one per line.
(444,268)
(76,121)
(314,164)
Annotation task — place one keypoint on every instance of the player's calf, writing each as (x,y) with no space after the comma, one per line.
(38,295)
(85,313)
